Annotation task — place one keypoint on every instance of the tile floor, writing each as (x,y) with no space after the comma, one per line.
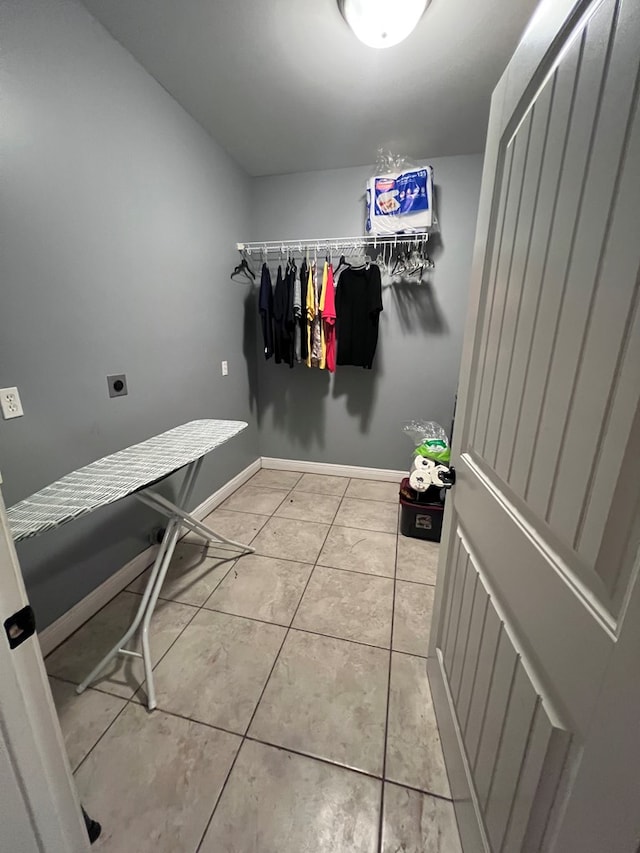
(294,712)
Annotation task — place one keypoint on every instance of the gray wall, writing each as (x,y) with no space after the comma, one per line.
(118,220)
(355,417)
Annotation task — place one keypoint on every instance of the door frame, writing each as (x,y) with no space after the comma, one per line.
(30,737)
(535,57)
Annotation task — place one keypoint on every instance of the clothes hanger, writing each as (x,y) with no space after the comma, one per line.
(363,264)
(400,265)
(243,269)
(342,265)
(358,263)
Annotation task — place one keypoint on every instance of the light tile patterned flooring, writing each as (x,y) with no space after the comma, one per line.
(294,712)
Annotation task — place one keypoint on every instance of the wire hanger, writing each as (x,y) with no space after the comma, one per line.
(342,265)
(244,270)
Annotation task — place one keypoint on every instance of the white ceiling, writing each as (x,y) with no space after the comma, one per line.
(285,86)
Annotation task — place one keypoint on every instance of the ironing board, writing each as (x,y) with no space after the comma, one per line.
(131,472)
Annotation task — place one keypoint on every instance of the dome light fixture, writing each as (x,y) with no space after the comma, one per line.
(382,23)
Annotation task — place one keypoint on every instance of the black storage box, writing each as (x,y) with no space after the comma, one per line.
(418,518)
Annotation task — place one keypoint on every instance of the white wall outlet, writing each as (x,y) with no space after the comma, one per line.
(10,403)
(225,368)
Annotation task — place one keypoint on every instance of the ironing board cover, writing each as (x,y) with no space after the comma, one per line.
(116,476)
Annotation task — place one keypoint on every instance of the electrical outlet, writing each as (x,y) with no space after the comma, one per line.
(225,368)
(117,383)
(10,403)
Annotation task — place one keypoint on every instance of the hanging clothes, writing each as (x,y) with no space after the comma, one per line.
(279,308)
(302,320)
(328,311)
(283,319)
(311,313)
(289,318)
(265,307)
(297,316)
(322,359)
(288,353)
(358,307)
(314,323)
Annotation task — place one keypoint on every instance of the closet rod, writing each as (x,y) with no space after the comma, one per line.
(322,243)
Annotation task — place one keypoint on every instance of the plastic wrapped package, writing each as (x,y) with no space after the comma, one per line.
(399,197)
(430,440)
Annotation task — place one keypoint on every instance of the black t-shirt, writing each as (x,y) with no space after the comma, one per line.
(283,317)
(358,307)
(265,305)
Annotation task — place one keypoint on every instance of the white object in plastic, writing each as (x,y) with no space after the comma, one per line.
(400,202)
(436,475)
(421,463)
(419,481)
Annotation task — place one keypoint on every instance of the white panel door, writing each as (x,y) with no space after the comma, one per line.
(39,809)
(537,575)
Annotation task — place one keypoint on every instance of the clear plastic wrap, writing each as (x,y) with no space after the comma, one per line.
(430,440)
(388,161)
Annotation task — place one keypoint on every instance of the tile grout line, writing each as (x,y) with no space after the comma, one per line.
(131,701)
(111,724)
(308,630)
(197,608)
(347,768)
(182,541)
(289,628)
(264,687)
(253,739)
(371,574)
(325,565)
(98,689)
(311,494)
(386,722)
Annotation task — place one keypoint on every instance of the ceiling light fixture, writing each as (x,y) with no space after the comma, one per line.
(382,23)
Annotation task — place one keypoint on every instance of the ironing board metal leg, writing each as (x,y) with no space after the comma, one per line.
(173,531)
(151,593)
(168,509)
(131,629)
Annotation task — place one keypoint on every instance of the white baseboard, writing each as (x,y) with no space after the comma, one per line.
(360,473)
(62,628)
(70,621)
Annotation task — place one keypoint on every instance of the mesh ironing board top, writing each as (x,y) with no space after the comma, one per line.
(114,477)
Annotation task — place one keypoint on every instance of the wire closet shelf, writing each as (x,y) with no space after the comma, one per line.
(332,245)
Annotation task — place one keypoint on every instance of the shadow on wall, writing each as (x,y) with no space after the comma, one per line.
(250,346)
(418,308)
(297,399)
(360,387)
